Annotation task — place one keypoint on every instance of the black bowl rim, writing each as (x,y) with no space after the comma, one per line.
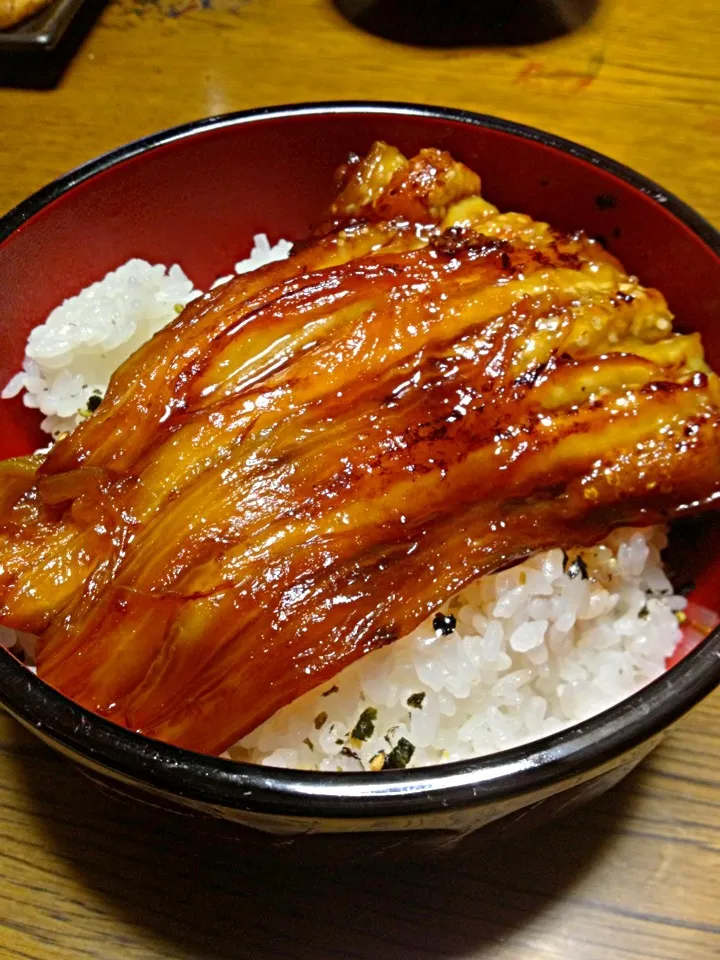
(563,756)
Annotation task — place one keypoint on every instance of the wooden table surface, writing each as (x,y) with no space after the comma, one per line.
(634,875)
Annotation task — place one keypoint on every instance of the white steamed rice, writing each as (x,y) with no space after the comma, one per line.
(73,354)
(535,648)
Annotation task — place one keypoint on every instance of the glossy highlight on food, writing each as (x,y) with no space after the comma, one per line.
(310,459)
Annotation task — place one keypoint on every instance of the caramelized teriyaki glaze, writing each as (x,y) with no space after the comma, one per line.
(311,458)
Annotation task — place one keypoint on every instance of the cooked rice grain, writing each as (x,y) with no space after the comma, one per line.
(71,357)
(535,648)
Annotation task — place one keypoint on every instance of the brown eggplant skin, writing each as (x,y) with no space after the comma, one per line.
(311,458)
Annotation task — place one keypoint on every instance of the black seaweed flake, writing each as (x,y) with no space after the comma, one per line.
(566,560)
(578,568)
(400,756)
(444,623)
(644,612)
(365,727)
(389,734)
(94,401)
(347,752)
(309,743)
(320,719)
(333,689)
(415,700)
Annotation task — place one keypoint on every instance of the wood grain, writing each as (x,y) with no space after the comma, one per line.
(633,876)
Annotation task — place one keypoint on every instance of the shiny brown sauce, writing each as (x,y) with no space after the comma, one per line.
(312,458)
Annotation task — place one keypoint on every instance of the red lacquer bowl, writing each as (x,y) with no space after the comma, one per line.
(196,195)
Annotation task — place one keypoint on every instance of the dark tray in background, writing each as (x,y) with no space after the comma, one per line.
(41,32)
(36,53)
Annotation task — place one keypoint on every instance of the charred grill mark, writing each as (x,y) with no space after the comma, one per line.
(528,378)
(661,386)
(459,241)
(384,635)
